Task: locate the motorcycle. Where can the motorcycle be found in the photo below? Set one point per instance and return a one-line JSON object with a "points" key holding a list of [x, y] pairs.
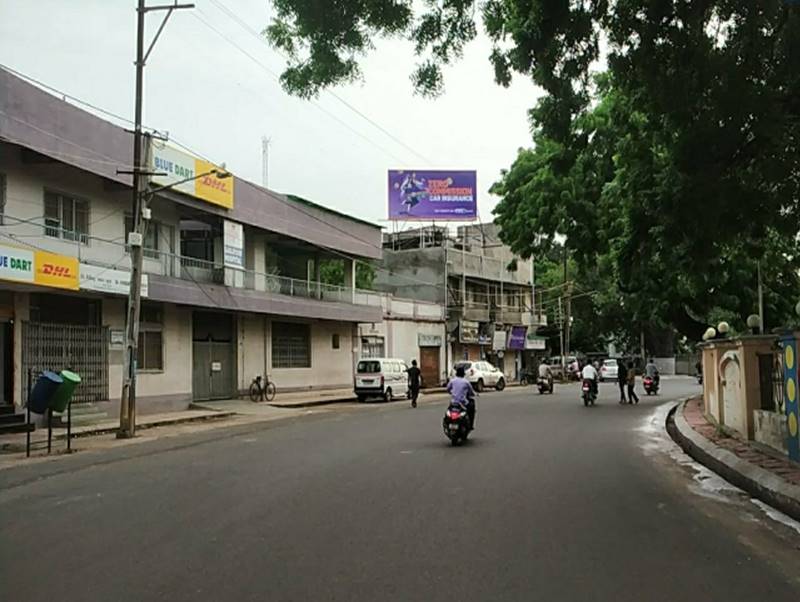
{"points": [[545, 385], [650, 385], [587, 389], [456, 423]]}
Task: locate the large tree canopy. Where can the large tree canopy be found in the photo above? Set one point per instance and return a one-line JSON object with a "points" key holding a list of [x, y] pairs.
{"points": [[677, 169]]}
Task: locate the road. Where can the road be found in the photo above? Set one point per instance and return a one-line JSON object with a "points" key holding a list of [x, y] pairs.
{"points": [[549, 501]]}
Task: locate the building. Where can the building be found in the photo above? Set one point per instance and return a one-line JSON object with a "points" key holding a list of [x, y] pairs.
{"points": [[486, 290], [410, 330], [231, 283]]}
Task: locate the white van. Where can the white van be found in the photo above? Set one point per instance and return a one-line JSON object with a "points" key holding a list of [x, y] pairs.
{"points": [[384, 377]]}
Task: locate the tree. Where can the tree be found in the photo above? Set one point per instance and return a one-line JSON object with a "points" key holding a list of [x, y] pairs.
{"points": [[331, 272], [679, 168]]}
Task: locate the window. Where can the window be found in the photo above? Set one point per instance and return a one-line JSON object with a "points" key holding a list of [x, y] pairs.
{"points": [[2, 196], [291, 345], [372, 347], [368, 367], [156, 237], [335, 341], [150, 353], [66, 217]]}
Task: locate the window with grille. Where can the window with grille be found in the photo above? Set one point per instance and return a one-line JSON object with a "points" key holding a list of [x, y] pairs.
{"points": [[150, 353], [291, 345], [156, 238], [66, 217]]}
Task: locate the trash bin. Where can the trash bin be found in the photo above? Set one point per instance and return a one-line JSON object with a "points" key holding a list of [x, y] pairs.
{"points": [[43, 391], [59, 401]]}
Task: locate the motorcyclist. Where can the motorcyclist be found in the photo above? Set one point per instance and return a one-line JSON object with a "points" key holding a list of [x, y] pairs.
{"points": [[462, 393], [546, 373], [589, 373], [651, 370]]}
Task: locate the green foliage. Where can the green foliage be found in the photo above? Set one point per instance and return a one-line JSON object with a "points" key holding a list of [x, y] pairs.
{"points": [[331, 272], [324, 40], [669, 176]]}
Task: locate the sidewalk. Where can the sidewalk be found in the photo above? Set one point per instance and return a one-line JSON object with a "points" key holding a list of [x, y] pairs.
{"points": [[767, 476]]}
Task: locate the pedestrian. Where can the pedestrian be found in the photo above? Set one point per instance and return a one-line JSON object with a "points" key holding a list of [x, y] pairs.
{"points": [[414, 382], [632, 397], [622, 379]]}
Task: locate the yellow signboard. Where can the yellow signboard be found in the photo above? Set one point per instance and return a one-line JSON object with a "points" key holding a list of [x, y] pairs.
{"points": [[190, 175], [211, 188], [56, 270]]}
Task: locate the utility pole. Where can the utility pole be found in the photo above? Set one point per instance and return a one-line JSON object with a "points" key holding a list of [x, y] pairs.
{"points": [[762, 326], [568, 304], [265, 142], [140, 174]]}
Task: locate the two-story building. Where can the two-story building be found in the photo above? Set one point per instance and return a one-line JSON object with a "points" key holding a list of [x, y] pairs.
{"points": [[231, 284], [486, 290]]}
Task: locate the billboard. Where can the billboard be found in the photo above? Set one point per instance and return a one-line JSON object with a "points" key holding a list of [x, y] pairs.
{"points": [[516, 337], [175, 166], [433, 195]]}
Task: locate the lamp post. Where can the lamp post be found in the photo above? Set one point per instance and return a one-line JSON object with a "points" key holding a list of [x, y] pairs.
{"points": [[127, 410]]}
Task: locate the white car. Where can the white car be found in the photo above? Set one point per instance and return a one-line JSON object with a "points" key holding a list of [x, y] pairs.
{"points": [[609, 370], [481, 375], [382, 377]]}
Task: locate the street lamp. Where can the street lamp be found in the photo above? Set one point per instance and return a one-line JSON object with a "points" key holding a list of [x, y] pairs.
{"points": [[127, 410], [723, 328], [753, 323]]}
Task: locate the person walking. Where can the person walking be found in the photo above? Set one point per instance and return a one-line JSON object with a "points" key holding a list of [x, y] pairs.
{"points": [[632, 397], [414, 382], [622, 379]]}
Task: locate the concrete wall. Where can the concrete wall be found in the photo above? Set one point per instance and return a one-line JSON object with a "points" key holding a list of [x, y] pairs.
{"points": [[413, 274], [731, 384], [770, 429], [156, 390], [330, 368]]}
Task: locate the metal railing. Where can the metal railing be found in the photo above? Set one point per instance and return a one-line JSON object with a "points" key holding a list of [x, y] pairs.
{"points": [[113, 254]]}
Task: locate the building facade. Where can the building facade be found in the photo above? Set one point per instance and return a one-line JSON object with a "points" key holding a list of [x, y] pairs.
{"points": [[231, 284], [486, 291], [410, 330]]}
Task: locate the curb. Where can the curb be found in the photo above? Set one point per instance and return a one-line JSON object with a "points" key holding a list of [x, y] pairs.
{"points": [[313, 403], [8, 448], [758, 482]]}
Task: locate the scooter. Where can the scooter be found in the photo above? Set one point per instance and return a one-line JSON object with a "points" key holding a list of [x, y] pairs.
{"points": [[456, 423], [545, 385], [650, 385], [587, 390]]}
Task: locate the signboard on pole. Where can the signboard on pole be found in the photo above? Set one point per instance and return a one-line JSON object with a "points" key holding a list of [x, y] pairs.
{"points": [[106, 280], [433, 195], [499, 340], [533, 342], [233, 241], [175, 166], [516, 337]]}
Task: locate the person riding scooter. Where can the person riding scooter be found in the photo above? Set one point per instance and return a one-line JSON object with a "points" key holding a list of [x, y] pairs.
{"points": [[589, 373], [546, 374], [651, 370], [462, 393]]}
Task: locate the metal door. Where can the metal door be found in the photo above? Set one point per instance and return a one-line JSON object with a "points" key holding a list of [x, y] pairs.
{"points": [[213, 356], [429, 365]]}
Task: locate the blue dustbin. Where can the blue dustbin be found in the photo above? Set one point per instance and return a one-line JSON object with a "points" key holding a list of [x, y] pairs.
{"points": [[43, 391]]}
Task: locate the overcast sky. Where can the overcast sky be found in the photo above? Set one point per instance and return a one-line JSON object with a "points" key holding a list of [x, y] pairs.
{"points": [[215, 99]]}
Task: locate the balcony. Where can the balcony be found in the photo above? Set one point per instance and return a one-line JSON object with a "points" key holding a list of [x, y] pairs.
{"points": [[486, 268]]}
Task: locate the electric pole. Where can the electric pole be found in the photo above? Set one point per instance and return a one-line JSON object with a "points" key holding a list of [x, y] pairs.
{"points": [[265, 142], [135, 238], [760, 300]]}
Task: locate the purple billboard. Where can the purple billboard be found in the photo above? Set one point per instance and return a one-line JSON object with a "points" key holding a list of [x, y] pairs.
{"points": [[516, 338], [433, 195]]}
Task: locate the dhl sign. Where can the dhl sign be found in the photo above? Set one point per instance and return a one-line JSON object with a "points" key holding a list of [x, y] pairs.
{"points": [[56, 270]]}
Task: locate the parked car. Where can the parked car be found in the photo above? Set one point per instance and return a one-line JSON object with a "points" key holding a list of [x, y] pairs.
{"points": [[556, 368], [609, 370], [481, 375], [381, 377]]}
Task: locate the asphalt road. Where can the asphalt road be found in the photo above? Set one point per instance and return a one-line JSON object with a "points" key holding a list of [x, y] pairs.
{"points": [[548, 501]]}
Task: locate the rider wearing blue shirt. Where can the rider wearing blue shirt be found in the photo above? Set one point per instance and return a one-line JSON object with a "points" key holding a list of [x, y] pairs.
{"points": [[462, 393]]}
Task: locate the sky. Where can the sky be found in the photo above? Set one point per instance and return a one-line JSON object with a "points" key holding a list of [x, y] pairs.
{"points": [[211, 82]]}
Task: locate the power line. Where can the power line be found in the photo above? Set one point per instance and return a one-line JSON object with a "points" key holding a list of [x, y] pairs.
{"points": [[277, 79], [331, 93]]}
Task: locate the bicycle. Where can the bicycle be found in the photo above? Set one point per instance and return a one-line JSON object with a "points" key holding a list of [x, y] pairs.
{"points": [[261, 393]]}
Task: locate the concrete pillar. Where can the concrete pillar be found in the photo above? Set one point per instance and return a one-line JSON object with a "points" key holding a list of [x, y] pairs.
{"points": [[317, 260], [350, 278]]}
